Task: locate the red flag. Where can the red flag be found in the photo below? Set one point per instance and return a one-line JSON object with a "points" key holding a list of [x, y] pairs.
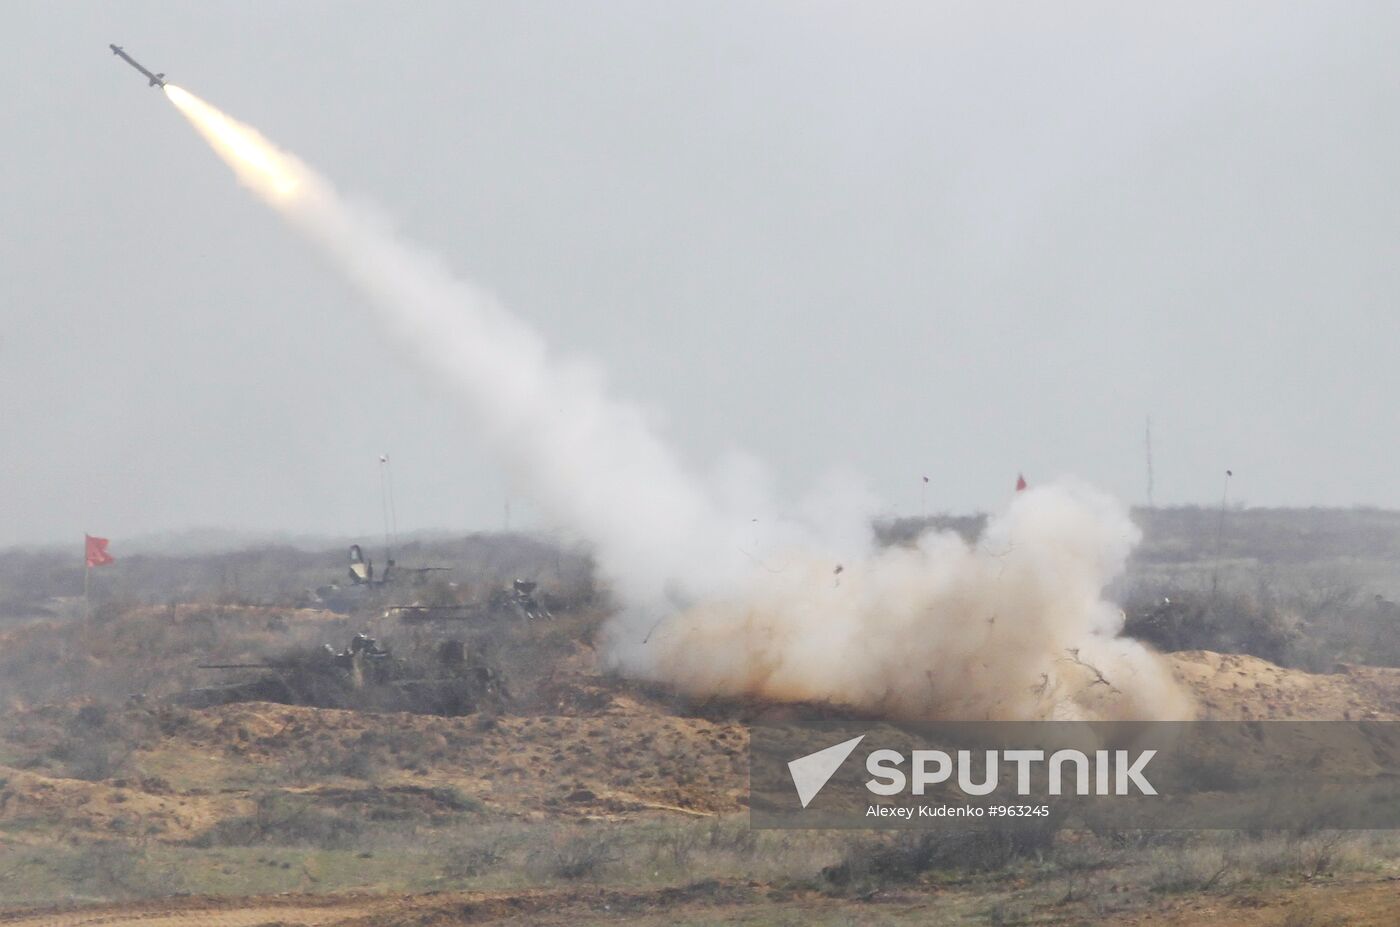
{"points": [[97, 552], [1020, 483]]}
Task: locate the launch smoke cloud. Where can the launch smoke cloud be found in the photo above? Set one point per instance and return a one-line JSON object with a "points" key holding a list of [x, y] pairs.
{"points": [[721, 593]]}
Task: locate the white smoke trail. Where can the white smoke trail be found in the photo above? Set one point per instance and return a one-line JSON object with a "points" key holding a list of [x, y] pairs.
{"points": [[590, 461], [1014, 627]]}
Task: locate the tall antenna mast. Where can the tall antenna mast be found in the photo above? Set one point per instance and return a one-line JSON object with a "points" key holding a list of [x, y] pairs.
{"points": [[393, 509], [1150, 503], [1220, 533], [386, 504]]}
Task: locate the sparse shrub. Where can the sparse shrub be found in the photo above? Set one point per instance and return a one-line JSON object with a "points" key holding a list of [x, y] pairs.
{"points": [[94, 743], [284, 820], [356, 764], [91, 760], [1228, 622], [1078, 862], [115, 869], [905, 856], [581, 856], [93, 715], [733, 837], [1322, 856], [675, 846], [352, 762], [1310, 856], [453, 798], [686, 845], [1188, 869], [467, 861]]}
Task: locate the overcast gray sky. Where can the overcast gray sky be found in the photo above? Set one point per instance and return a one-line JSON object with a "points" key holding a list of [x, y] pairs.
{"points": [[946, 239]]}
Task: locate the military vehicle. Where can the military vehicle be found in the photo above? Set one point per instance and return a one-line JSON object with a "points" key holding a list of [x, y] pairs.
{"points": [[365, 584], [366, 677], [520, 600]]}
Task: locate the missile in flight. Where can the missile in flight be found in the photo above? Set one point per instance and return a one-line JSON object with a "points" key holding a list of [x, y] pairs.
{"points": [[157, 80]]}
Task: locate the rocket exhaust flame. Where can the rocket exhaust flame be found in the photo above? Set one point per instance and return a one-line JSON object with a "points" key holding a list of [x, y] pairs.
{"points": [[258, 162], [1012, 627]]}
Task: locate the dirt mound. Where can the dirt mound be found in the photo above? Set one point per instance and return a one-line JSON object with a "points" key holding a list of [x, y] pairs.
{"points": [[1240, 687], [625, 758], [145, 808], [172, 773]]}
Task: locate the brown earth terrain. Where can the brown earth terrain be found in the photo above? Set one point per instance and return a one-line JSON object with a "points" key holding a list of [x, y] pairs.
{"points": [[530, 806], [1240, 687]]}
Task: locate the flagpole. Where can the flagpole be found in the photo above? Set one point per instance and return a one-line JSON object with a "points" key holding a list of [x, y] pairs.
{"points": [[384, 504], [1220, 533], [393, 509], [94, 554]]}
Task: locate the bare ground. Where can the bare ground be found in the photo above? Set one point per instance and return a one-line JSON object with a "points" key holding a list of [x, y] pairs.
{"points": [[196, 794]]}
